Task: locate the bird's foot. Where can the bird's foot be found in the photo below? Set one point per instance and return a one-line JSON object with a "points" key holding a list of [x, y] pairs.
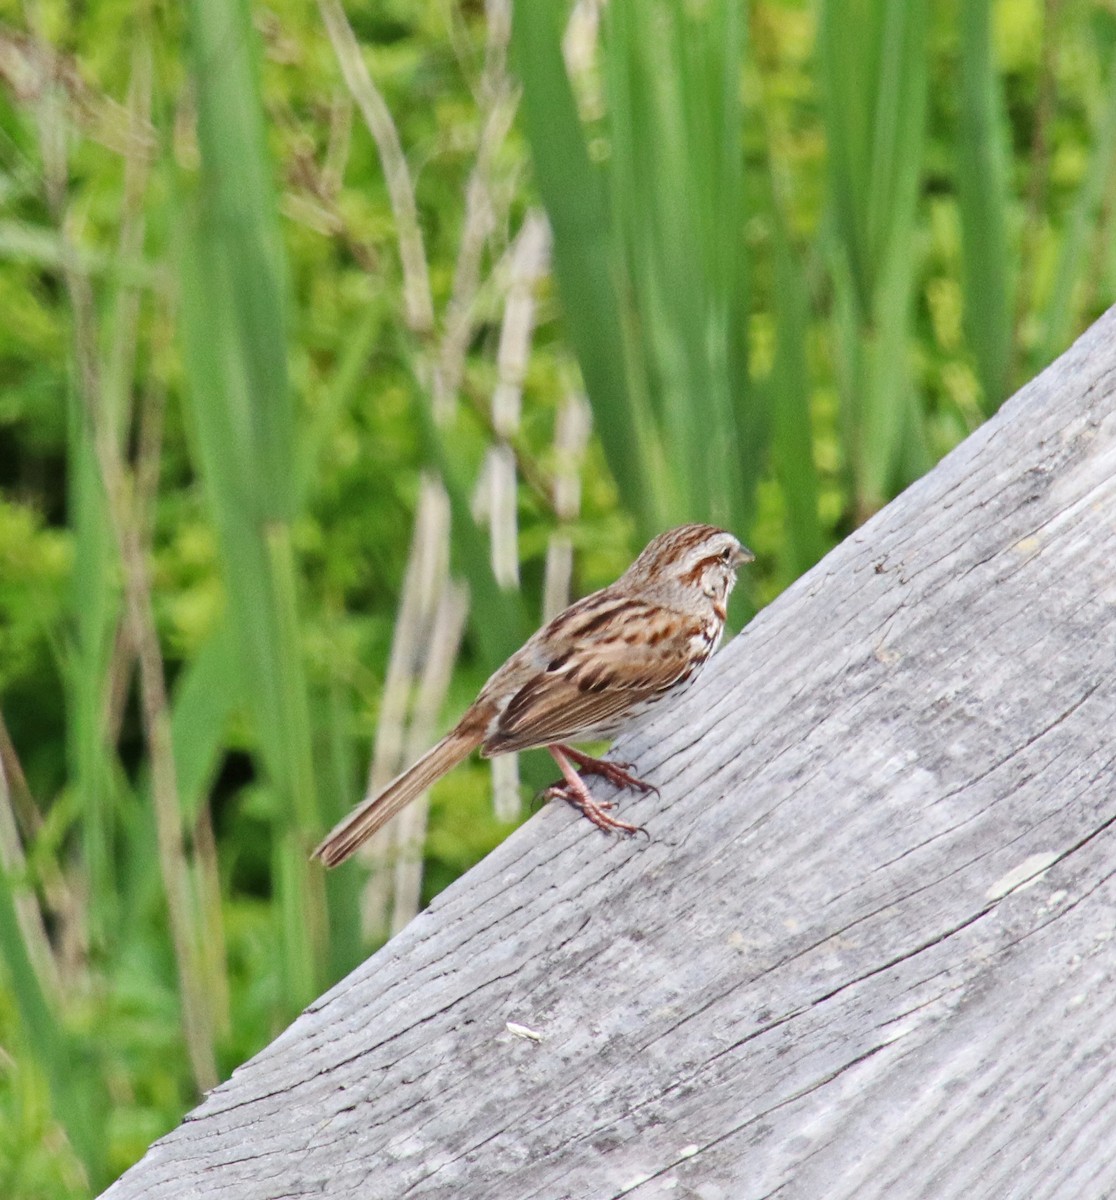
{"points": [[596, 810], [617, 773], [574, 791]]}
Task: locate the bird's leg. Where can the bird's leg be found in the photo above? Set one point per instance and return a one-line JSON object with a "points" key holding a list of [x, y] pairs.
{"points": [[576, 793], [617, 773]]}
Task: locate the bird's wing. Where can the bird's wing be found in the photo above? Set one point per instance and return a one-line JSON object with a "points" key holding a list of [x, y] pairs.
{"points": [[616, 656]]}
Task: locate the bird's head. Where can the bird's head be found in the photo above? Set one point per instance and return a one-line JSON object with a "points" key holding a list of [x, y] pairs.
{"points": [[691, 558]]}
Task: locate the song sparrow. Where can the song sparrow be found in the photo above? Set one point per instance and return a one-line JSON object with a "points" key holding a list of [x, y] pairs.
{"points": [[596, 669]]}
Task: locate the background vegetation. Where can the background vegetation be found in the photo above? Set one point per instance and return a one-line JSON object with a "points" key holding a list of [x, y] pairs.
{"points": [[338, 350]]}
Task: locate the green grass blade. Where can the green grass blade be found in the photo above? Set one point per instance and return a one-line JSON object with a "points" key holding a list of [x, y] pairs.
{"points": [[874, 68], [675, 179], [899, 127], [247, 263], [649, 251], [572, 191], [889, 400], [874, 65], [96, 607], [75, 1095], [984, 200], [848, 47], [792, 442], [233, 295], [342, 782], [1071, 275]]}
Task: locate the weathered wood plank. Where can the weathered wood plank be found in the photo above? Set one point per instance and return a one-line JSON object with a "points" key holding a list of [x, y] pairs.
{"points": [[868, 950]]}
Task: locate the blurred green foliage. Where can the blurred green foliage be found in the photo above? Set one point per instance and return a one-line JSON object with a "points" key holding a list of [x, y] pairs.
{"points": [[800, 250]]}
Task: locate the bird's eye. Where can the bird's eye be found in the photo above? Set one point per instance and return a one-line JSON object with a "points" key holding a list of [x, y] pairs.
{"points": [[726, 555]]}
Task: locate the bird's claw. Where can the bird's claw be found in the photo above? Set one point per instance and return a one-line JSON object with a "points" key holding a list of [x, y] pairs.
{"points": [[596, 811]]}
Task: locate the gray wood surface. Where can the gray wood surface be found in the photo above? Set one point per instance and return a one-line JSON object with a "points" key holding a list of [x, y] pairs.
{"points": [[868, 949]]}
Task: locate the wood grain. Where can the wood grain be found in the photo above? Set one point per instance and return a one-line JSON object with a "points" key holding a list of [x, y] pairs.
{"points": [[868, 949]]}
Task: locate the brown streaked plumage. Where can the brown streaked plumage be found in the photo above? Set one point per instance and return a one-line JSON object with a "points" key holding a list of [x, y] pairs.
{"points": [[597, 668]]}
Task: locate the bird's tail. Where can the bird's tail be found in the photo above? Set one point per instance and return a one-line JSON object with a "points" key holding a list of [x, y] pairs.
{"points": [[378, 809]]}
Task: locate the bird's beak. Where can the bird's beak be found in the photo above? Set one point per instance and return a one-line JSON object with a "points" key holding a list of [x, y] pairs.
{"points": [[743, 555]]}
